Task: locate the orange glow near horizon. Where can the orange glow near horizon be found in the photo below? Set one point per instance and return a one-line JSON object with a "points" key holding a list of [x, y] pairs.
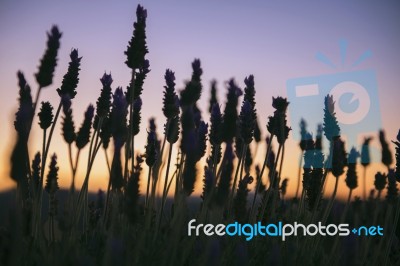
{"points": [[99, 174], [273, 41]]}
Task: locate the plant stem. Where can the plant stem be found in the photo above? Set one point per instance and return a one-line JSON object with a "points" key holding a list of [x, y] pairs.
{"points": [[392, 234], [272, 183], [164, 195], [83, 191], [330, 204], [365, 182], [259, 178], [108, 188], [299, 175], [38, 204], [146, 202], [177, 179], [238, 167]]}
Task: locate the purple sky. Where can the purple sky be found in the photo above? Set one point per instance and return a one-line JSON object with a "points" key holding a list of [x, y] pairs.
{"points": [[275, 41]]}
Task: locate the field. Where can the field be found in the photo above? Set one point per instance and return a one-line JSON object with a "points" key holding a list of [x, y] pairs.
{"points": [[143, 217]]}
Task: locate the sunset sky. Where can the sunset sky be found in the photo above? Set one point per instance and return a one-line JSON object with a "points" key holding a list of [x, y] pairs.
{"points": [[275, 41]]}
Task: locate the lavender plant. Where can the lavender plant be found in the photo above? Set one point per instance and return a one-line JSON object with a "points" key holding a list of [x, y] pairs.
{"points": [[143, 221]]}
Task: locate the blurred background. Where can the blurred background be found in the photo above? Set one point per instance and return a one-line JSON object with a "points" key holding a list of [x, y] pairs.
{"points": [[274, 41]]}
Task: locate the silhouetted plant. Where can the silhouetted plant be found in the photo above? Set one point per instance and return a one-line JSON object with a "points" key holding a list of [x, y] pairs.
{"points": [[331, 127], [387, 158], [380, 182], [192, 92], [215, 136], [397, 143], [240, 202], [137, 47], [71, 78], [365, 161], [48, 63], [51, 188], [83, 135], [170, 101], [226, 176], [125, 227], [351, 175], [392, 189], [68, 125], [213, 97], [230, 112]]}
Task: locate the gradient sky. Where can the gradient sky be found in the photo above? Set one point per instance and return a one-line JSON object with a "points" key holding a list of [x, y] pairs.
{"points": [[275, 41]]}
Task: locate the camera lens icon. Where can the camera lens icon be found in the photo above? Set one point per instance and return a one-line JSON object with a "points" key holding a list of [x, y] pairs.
{"points": [[356, 103], [358, 97]]}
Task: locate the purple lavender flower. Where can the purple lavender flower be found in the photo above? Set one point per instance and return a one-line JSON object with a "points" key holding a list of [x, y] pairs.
{"points": [[229, 126], [172, 130], [68, 126], [151, 151], [339, 160], [249, 94], [45, 115], [71, 78], [392, 190], [35, 176], [52, 177], [351, 176], [277, 124], [365, 156], [137, 87], [387, 158], [44, 77], [280, 104], [170, 108], [118, 123], [103, 103], [303, 134], [192, 92], [397, 143], [24, 115], [202, 131], [83, 135], [137, 108], [246, 122], [137, 47], [331, 126], [213, 98], [380, 181], [208, 182]]}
